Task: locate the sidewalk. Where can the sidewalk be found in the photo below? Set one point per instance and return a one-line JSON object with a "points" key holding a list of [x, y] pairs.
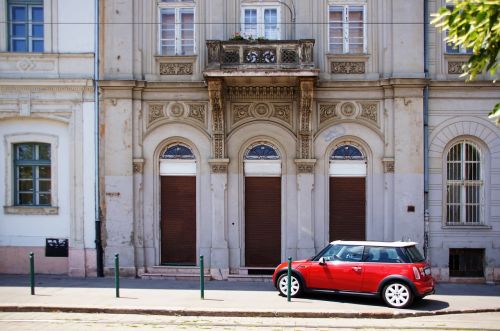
{"points": [[222, 298]]}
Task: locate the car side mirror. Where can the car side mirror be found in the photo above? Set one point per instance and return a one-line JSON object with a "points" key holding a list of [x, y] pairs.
{"points": [[321, 260]]}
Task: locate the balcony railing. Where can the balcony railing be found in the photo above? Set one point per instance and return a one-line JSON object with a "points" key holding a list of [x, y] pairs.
{"points": [[261, 54]]}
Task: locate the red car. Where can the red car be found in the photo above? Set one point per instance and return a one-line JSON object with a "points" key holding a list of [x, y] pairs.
{"points": [[396, 271]]}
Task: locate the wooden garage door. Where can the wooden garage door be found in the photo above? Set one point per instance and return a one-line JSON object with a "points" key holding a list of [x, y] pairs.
{"points": [[178, 220], [347, 208], [262, 221]]}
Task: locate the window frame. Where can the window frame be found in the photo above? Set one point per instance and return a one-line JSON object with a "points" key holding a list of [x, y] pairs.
{"points": [[35, 163], [261, 26], [464, 183], [177, 6], [9, 142], [345, 26], [28, 23]]}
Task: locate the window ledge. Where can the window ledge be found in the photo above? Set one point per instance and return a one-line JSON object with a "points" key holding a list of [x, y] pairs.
{"points": [[348, 56], [467, 227], [25, 210], [457, 57], [176, 58]]}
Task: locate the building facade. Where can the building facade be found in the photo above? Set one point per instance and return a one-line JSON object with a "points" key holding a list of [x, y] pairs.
{"points": [[250, 151], [248, 131], [47, 149]]}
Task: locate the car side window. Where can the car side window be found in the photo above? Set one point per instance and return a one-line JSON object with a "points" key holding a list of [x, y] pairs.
{"points": [[330, 253], [383, 255], [350, 253]]}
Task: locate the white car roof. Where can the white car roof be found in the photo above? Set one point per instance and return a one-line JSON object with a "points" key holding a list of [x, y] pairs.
{"points": [[376, 243]]}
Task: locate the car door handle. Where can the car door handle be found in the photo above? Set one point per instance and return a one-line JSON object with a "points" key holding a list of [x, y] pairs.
{"points": [[357, 269]]}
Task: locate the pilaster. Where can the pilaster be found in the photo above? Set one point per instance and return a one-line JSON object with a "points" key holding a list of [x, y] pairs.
{"points": [[219, 256], [305, 212]]}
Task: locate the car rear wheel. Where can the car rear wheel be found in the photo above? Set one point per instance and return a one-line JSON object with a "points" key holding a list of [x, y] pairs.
{"points": [[397, 295], [296, 285]]}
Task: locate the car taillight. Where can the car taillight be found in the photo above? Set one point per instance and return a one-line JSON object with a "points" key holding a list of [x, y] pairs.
{"points": [[416, 273]]}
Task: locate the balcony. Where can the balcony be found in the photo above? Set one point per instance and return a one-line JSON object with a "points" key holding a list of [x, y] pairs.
{"points": [[260, 58]]}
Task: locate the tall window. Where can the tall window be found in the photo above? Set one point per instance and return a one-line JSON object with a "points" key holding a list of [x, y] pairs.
{"points": [[25, 25], [177, 27], [347, 29], [451, 48], [32, 174], [261, 22], [464, 184]]}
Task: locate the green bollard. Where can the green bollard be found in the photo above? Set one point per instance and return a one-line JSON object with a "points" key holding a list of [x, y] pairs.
{"points": [[202, 279], [117, 275], [289, 280], [32, 273]]}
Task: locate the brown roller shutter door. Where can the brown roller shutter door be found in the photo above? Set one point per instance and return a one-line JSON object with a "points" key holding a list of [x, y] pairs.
{"points": [[178, 220], [347, 208], [262, 221]]}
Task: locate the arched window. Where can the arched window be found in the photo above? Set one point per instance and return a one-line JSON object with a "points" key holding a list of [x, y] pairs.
{"points": [[262, 152], [464, 184], [347, 152], [177, 151]]}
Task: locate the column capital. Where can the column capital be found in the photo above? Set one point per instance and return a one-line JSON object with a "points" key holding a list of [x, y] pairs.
{"points": [[218, 166], [305, 165]]}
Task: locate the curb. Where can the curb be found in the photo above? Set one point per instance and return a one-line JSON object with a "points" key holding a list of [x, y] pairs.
{"points": [[236, 313]]}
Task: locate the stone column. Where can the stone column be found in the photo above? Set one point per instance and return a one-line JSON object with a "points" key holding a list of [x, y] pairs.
{"points": [[219, 257], [305, 172]]}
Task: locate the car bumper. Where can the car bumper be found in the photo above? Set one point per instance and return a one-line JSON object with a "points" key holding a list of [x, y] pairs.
{"points": [[425, 288]]}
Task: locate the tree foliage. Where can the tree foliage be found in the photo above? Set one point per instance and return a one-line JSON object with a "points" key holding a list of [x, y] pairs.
{"points": [[474, 24]]}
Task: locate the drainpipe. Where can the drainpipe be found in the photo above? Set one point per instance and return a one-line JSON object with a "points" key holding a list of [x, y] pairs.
{"points": [[97, 215], [426, 129]]}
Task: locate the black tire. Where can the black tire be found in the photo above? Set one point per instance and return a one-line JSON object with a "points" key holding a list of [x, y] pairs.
{"points": [[397, 295], [282, 283]]}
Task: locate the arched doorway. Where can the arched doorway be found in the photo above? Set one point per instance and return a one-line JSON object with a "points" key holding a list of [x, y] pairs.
{"points": [[178, 205], [262, 167], [347, 193]]}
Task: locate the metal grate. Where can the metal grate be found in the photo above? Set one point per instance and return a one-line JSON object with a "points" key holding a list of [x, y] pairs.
{"points": [[261, 56], [464, 187], [231, 56], [289, 56], [466, 262]]}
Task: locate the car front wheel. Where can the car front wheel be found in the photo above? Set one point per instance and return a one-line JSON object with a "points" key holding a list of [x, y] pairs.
{"points": [[397, 295], [295, 289]]}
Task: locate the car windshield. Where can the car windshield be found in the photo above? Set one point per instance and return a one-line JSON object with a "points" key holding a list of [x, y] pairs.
{"points": [[414, 254]]}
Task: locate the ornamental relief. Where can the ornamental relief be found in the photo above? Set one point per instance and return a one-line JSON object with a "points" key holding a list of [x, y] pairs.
{"points": [[197, 112], [335, 111], [176, 69], [455, 68], [261, 110]]}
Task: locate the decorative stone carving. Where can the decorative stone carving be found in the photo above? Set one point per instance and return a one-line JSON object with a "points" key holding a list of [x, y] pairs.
{"points": [[388, 165], [455, 68], [283, 112], [260, 92], [305, 165], [369, 111], [26, 64], [138, 165], [213, 50], [176, 68], [347, 67], [306, 50], [261, 110], [197, 112], [218, 166], [176, 110], [240, 112], [327, 111], [155, 112], [218, 134], [305, 102], [348, 109]]}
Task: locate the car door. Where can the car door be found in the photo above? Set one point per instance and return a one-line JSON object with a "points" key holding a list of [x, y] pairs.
{"points": [[380, 262], [341, 271]]}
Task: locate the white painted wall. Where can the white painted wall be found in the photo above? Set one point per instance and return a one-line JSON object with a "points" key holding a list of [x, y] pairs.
{"points": [[31, 230], [77, 37], [89, 175]]}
